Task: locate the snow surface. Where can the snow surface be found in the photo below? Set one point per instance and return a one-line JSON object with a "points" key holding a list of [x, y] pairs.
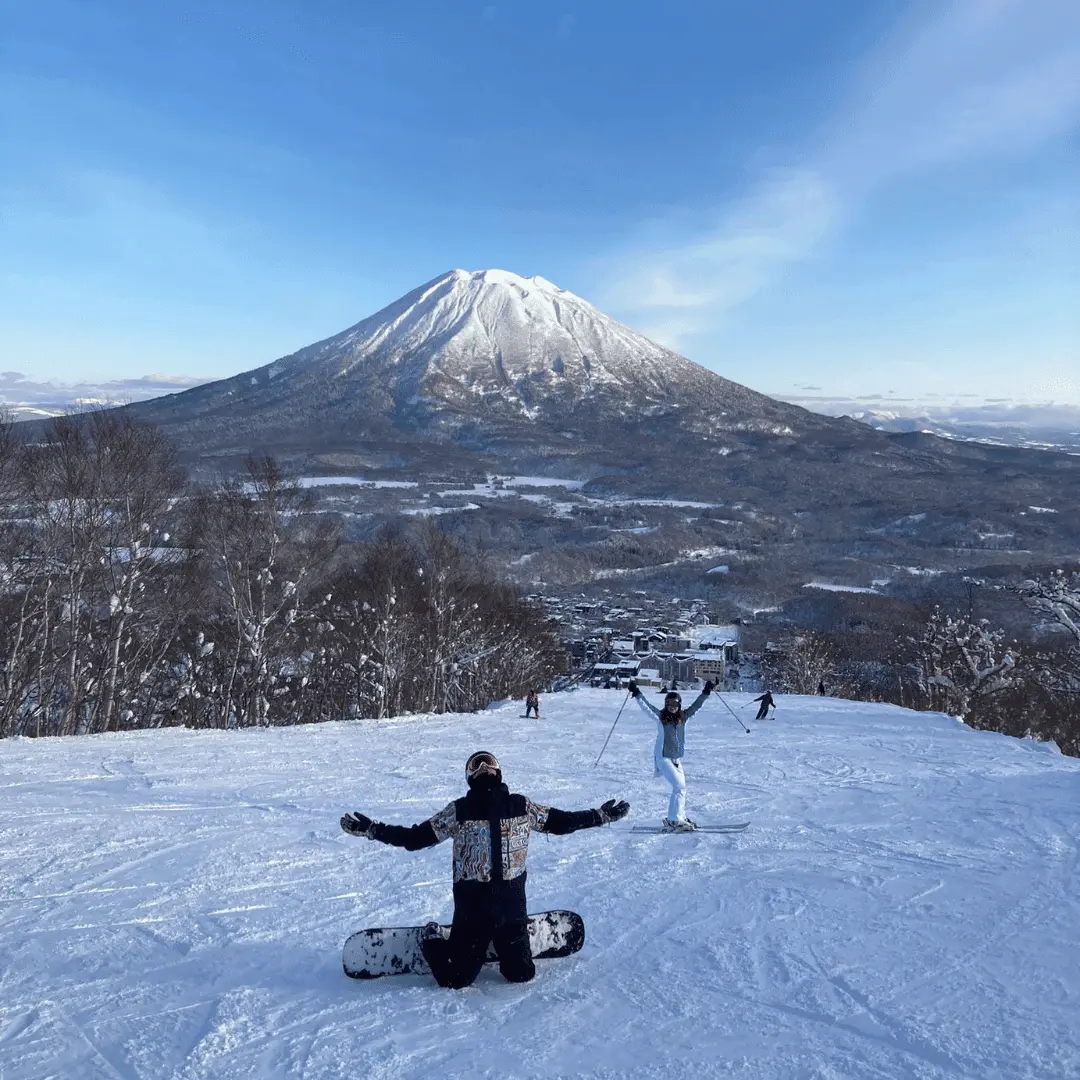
{"points": [[540, 481], [829, 587], [904, 905], [431, 511], [352, 481]]}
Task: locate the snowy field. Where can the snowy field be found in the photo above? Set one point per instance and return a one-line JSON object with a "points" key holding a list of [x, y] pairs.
{"points": [[905, 904]]}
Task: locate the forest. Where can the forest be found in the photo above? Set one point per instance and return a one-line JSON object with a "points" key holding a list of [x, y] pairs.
{"points": [[132, 598]]}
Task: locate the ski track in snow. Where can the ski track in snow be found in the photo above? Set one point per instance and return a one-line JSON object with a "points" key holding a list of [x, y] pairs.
{"points": [[904, 905]]}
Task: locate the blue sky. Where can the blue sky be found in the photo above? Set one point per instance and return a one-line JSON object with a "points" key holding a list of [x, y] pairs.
{"points": [[835, 198]]}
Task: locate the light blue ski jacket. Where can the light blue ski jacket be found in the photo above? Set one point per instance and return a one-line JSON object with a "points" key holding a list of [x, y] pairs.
{"points": [[670, 738]]}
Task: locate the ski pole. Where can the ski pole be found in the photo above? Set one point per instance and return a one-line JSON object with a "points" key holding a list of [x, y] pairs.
{"points": [[612, 731], [733, 713]]}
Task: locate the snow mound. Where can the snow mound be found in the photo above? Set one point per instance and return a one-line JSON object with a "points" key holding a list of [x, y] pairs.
{"points": [[904, 904]]}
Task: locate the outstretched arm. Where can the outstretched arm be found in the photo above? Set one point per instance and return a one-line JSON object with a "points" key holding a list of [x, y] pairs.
{"points": [[647, 707], [551, 819], [411, 837], [698, 701]]}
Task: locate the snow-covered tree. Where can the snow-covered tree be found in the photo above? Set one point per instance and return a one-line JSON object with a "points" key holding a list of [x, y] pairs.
{"points": [[800, 663], [261, 553], [252, 616], [1057, 599], [139, 613], [961, 661]]}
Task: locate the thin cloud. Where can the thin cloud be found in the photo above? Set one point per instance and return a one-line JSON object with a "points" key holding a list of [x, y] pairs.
{"points": [[779, 224], [973, 79]]}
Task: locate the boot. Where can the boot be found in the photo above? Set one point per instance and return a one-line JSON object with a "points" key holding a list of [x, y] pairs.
{"points": [[678, 826]]}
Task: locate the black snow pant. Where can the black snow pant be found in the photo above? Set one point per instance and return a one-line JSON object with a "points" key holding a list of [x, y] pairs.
{"points": [[762, 712], [532, 709], [484, 913]]}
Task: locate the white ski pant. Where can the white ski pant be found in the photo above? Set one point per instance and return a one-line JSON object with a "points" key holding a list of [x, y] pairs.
{"points": [[672, 772]]}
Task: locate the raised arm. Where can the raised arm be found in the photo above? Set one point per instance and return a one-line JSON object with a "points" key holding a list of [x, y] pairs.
{"points": [[550, 819], [410, 837], [647, 707], [698, 701]]}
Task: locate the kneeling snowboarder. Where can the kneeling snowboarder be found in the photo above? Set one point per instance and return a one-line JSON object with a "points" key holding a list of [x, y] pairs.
{"points": [[491, 829]]}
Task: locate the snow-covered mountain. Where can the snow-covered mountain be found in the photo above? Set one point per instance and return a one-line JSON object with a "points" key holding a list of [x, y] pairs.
{"points": [[1043, 427], [469, 337], [27, 399], [903, 906], [1046, 426], [486, 360], [481, 373]]}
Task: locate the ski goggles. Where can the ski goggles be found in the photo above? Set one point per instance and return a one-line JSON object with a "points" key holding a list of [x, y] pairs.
{"points": [[481, 762]]}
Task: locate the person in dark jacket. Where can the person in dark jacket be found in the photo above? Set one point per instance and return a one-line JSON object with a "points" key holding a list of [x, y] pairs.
{"points": [[767, 703], [491, 829], [821, 687]]}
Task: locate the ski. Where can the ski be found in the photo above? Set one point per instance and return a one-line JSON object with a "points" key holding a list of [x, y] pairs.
{"points": [[733, 827]]}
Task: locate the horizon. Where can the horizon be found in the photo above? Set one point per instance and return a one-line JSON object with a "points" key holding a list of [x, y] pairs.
{"points": [[836, 206], [31, 399]]}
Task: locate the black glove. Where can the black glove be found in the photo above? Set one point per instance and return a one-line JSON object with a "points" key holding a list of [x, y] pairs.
{"points": [[710, 686], [632, 687], [614, 811], [357, 824]]}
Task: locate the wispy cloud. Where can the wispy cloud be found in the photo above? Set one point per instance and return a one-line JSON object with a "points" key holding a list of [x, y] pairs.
{"points": [[973, 78], [777, 224]]}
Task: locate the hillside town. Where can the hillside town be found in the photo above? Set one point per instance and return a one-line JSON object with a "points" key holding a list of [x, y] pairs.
{"points": [[672, 644]]}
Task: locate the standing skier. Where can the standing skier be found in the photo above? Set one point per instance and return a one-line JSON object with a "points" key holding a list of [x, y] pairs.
{"points": [[532, 704], [491, 829], [767, 703], [668, 752]]}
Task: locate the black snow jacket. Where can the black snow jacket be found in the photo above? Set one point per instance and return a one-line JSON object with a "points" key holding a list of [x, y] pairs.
{"points": [[489, 874]]}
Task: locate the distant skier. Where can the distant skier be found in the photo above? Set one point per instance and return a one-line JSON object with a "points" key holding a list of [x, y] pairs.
{"points": [[767, 703], [532, 704], [668, 752], [489, 874], [821, 687]]}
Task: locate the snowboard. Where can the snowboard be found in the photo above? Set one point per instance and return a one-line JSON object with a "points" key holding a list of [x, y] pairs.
{"points": [[395, 950], [733, 827]]}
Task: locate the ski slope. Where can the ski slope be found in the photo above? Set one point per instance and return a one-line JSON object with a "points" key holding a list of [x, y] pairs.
{"points": [[905, 904]]}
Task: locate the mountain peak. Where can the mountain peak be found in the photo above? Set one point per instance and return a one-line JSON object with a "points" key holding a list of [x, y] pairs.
{"points": [[468, 356], [489, 334], [503, 277]]}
